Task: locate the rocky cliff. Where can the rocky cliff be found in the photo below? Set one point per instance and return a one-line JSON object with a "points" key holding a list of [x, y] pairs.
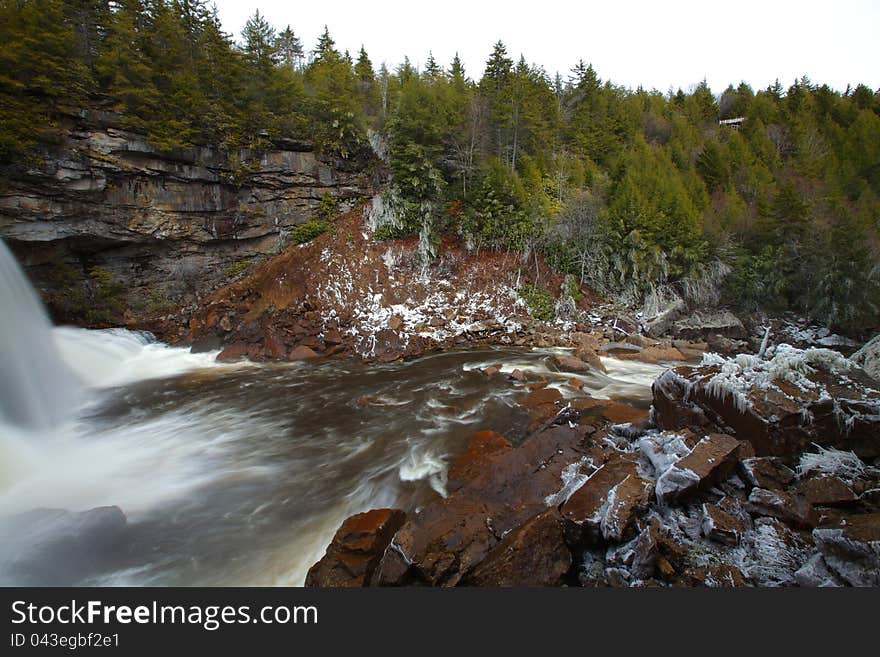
{"points": [[107, 221]]}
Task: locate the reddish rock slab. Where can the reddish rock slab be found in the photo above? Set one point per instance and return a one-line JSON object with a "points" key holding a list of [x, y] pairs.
{"points": [[723, 575], [356, 549], [766, 472], [302, 353], [826, 490], [792, 510], [607, 503], [451, 536], [713, 458], [533, 554], [720, 526], [237, 351], [590, 356], [567, 363], [484, 446]]}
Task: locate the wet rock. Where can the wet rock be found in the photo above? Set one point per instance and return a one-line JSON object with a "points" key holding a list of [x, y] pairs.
{"points": [[607, 503], [653, 553], [581, 340], [589, 356], [237, 351], [541, 403], [484, 446], [721, 526], [206, 344], [450, 537], [54, 547], [517, 375], [826, 491], [662, 323], [395, 322], [654, 355], [852, 550], [389, 346], [712, 459], [792, 510], [766, 472], [641, 341], [356, 549], [533, 554], [566, 363], [302, 353], [619, 348]]}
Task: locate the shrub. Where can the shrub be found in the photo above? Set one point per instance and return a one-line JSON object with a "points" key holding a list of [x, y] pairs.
{"points": [[308, 231], [538, 301]]}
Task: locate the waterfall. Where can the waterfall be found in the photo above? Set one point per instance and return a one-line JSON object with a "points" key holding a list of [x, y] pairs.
{"points": [[37, 390]]}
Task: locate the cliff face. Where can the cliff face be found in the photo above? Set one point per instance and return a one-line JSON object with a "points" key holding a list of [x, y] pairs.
{"points": [[109, 221]]}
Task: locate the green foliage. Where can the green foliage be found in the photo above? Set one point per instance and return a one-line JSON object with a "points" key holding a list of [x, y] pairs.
{"points": [[627, 190], [309, 231], [236, 268], [538, 301]]}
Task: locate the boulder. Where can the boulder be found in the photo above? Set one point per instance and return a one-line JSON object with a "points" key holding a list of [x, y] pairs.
{"points": [[826, 490], [852, 549], [713, 458], [356, 549], [654, 354], [607, 503], [781, 405], [720, 526], [302, 353], [237, 351], [790, 509], [450, 537], [566, 363], [55, 547], [332, 338], [590, 356], [533, 554], [484, 446]]}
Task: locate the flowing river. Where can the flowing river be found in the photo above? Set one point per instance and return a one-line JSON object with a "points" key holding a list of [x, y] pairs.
{"points": [[230, 474]]}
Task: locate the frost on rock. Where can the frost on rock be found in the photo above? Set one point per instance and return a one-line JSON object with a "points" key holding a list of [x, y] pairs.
{"points": [[771, 554], [744, 373], [675, 482], [662, 450], [573, 477], [839, 463]]}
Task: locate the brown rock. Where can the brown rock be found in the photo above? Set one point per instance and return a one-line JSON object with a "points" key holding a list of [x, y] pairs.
{"points": [[483, 447], [389, 346], [720, 526], [517, 375], [491, 371], [766, 472], [534, 554], [332, 338], [451, 536], [715, 575], [356, 549], [640, 340], [607, 503], [237, 351], [712, 459], [302, 353], [395, 322], [587, 340], [794, 511], [566, 363], [826, 491], [590, 356], [654, 355]]}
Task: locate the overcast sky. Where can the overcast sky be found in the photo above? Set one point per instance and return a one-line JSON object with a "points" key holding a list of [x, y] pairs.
{"points": [[658, 45]]}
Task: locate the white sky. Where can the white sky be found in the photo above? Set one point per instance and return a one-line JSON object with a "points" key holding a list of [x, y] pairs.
{"points": [[659, 45]]}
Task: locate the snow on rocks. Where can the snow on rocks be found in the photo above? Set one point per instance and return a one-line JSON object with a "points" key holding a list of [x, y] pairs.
{"points": [[781, 403]]}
